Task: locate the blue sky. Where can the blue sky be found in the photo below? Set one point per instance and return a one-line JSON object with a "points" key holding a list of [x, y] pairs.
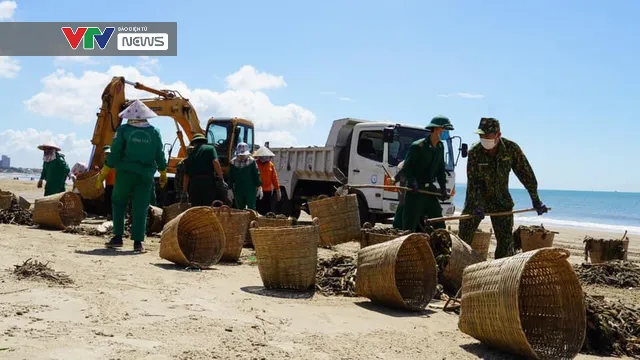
{"points": [[561, 76]]}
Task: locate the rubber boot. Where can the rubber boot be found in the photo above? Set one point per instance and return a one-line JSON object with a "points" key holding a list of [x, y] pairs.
{"points": [[138, 247], [116, 242]]}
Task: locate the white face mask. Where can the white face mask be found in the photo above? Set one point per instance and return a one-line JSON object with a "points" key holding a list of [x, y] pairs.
{"points": [[488, 143]]}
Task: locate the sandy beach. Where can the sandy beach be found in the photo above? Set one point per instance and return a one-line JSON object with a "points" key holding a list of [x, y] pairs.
{"points": [[125, 306]]}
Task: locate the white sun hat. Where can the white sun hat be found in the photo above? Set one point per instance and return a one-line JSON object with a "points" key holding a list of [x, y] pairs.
{"points": [[242, 149], [263, 151], [49, 145], [137, 111]]}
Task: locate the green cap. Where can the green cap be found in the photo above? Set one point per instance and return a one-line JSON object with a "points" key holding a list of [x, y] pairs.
{"points": [[488, 126], [440, 122], [198, 137]]}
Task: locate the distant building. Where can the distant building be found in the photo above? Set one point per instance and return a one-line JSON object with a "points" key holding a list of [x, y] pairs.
{"points": [[5, 162]]}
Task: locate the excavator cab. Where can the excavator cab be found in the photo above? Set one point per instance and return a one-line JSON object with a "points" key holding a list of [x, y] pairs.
{"points": [[225, 134]]}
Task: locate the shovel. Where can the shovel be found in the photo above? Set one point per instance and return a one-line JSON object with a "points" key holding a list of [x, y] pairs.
{"points": [[464, 217]]}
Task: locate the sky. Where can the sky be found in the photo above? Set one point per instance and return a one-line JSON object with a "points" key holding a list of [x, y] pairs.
{"points": [[562, 77]]}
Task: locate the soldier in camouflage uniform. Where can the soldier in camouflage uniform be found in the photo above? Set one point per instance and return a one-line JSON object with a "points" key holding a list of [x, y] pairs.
{"points": [[488, 168]]}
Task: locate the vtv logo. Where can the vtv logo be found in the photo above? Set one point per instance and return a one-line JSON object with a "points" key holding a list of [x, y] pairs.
{"points": [[88, 35], [143, 41]]}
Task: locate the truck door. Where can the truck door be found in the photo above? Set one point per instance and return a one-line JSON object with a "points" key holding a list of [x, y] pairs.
{"points": [[365, 164]]}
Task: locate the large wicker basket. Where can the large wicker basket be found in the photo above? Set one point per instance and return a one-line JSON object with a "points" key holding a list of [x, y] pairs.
{"points": [[268, 220], [287, 256], [530, 304], [370, 236], [400, 273], [24, 203], [480, 243], [58, 211], [339, 219], [193, 238], [172, 211], [5, 200], [534, 239], [601, 250], [461, 255], [236, 225], [154, 220], [86, 184]]}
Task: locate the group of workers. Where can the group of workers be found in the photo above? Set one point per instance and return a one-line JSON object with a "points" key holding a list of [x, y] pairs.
{"points": [[488, 167]]}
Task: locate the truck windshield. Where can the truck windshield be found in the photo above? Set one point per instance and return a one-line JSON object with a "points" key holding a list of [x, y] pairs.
{"points": [[398, 149]]}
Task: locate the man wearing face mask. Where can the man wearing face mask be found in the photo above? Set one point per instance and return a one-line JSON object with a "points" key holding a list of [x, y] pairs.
{"points": [[488, 168], [245, 184], [423, 165], [55, 170]]}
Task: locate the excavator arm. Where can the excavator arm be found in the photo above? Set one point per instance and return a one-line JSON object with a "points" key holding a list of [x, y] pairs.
{"points": [[167, 103]]}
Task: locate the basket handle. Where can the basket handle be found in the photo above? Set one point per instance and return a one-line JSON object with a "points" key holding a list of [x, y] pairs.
{"points": [[254, 225], [270, 215], [367, 225], [227, 208], [322, 197], [315, 221], [217, 202]]}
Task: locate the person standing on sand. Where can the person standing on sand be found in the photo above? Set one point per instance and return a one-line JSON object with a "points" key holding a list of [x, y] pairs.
{"points": [[245, 184], [203, 181], [423, 165], [269, 178], [136, 154], [55, 170], [488, 167]]}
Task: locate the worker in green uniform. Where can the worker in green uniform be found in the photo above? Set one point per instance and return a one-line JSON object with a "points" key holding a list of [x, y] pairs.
{"points": [[179, 178], [423, 165], [136, 154], [203, 181], [245, 184], [488, 167], [399, 178], [55, 170]]}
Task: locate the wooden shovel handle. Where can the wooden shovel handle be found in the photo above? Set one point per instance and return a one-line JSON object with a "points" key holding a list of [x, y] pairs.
{"points": [[464, 217], [393, 187]]}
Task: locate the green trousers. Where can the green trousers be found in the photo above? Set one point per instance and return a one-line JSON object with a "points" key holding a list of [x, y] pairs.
{"points": [[153, 200], [502, 228], [245, 199], [202, 190], [136, 187], [397, 218], [416, 207]]}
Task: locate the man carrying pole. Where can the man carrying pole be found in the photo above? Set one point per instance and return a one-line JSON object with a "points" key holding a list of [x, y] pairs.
{"points": [[488, 168]]}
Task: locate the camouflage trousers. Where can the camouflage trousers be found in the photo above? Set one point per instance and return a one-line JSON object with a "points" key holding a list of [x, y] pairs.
{"points": [[502, 228]]}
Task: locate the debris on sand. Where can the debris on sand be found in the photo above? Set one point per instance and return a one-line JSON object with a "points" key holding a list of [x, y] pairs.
{"points": [[84, 230], [613, 328], [620, 274], [16, 215], [388, 231], [30, 269], [337, 276], [440, 242]]}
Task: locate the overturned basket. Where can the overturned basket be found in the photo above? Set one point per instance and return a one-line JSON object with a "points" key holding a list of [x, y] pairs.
{"points": [[193, 238], [268, 220], [235, 224], [480, 243], [172, 211], [452, 264], [6, 197], [339, 219], [86, 185], [533, 237], [400, 273], [530, 304], [154, 220], [58, 211], [287, 256]]}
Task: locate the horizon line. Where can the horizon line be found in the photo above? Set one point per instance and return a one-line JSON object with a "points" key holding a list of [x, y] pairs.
{"points": [[576, 190]]}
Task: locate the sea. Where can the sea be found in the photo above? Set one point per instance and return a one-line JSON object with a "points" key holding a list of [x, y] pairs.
{"points": [[615, 212]]}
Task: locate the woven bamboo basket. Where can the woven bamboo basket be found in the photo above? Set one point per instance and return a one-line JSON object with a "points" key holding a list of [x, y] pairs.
{"points": [[400, 273], [193, 238], [287, 256], [530, 304], [370, 237], [269, 220], [5, 199], [235, 224], [532, 240], [172, 211], [339, 219], [58, 211], [480, 243], [461, 256], [86, 184], [24, 203], [600, 251], [154, 220]]}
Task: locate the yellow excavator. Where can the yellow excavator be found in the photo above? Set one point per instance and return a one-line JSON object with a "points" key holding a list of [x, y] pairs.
{"points": [[223, 133]]}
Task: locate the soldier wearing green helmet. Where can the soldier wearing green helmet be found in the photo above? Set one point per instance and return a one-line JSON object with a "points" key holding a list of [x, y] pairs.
{"points": [[424, 165]]}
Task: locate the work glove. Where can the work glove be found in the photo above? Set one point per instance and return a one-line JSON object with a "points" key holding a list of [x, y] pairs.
{"points": [[443, 195], [540, 207], [260, 194], [278, 195], [184, 198], [103, 175], [413, 185], [478, 213], [230, 194], [163, 179], [40, 184], [223, 185]]}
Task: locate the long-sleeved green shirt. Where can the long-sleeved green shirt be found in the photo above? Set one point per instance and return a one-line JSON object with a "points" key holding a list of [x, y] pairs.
{"points": [[488, 177], [55, 173], [424, 163], [138, 150], [246, 178]]}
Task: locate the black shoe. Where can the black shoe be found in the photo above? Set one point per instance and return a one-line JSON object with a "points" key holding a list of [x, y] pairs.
{"points": [[116, 242], [138, 247]]}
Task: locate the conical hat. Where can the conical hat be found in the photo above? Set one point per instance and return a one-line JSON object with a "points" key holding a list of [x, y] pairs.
{"points": [[49, 145], [263, 151], [137, 110]]}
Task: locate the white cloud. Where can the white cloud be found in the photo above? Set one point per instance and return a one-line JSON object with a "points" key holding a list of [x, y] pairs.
{"points": [[248, 78], [463, 95], [9, 67], [345, 99], [7, 10], [148, 65], [276, 138], [62, 60], [21, 146]]}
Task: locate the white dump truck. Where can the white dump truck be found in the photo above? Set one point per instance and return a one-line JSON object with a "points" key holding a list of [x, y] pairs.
{"points": [[356, 153]]}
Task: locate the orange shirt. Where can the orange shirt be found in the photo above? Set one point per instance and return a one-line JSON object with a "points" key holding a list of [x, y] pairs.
{"points": [[268, 176], [111, 178]]}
